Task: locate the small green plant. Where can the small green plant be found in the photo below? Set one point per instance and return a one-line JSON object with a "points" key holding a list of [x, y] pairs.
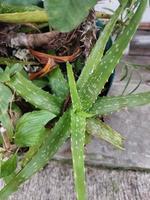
{"points": [[39, 132]]}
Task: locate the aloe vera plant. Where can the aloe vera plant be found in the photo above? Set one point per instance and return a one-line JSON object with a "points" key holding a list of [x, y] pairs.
{"points": [[78, 117]]}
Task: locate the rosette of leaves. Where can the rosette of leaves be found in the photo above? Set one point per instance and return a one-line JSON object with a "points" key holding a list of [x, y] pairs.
{"points": [[81, 117]]}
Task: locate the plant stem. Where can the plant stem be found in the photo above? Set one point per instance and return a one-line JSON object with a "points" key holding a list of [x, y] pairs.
{"points": [[36, 16], [5, 138]]}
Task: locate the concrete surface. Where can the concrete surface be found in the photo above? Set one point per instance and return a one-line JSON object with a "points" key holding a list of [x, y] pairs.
{"points": [[55, 182]]}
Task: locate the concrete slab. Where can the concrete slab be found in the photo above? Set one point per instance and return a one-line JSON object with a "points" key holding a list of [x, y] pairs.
{"points": [[55, 182]]}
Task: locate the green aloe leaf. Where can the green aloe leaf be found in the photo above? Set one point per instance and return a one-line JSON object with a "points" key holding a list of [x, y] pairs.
{"points": [[75, 13], [89, 91], [58, 84], [8, 167], [107, 105], [30, 128], [50, 146], [5, 99], [73, 90], [98, 50], [78, 124], [33, 94], [100, 130], [31, 152]]}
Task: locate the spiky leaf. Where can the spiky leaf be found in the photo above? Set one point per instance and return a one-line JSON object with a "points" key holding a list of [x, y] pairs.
{"points": [[73, 90], [33, 94], [107, 105], [78, 124], [100, 130]]}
